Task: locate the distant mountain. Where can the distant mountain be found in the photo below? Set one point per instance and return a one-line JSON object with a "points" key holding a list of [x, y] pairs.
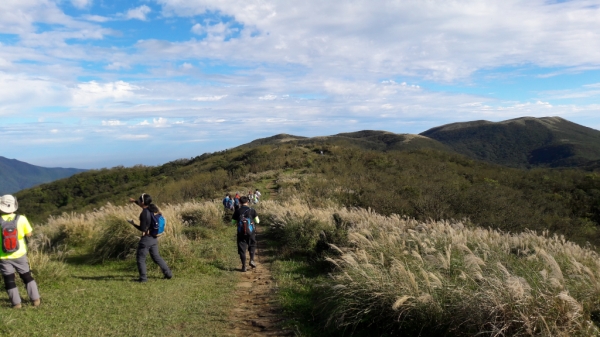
{"points": [[17, 175], [522, 142]]}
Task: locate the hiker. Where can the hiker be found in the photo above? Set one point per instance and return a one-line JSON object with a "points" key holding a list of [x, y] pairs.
{"points": [[13, 257], [257, 196], [236, 202], [148, 242], [228, 203], [246, 220]]}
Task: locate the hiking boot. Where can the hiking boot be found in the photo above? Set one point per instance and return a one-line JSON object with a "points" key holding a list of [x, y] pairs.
{"points": [[252, 264], [168, 277], [140, 280], [243, 269], [36, 303], [17, 306]]}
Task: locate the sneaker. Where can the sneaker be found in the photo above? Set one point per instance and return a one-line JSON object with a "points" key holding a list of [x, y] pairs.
{"points": [[168, 277], [252, 264], [17, 306], [243, 269], [139, 280], [36, 303]]}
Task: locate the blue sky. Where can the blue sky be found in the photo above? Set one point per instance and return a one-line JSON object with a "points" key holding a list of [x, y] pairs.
{"points": [[101, 83]]}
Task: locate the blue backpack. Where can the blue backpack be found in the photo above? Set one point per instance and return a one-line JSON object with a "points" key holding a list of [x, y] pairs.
{"points": [[229, 204], [158, 225], [245, 224], [236, 202]]}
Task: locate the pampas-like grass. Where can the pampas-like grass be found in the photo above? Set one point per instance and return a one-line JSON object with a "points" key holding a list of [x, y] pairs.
{"points": [[444, 276]]}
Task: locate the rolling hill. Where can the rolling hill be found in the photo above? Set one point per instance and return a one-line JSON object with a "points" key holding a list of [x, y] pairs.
{"points": [[522, 142], [17, 175]]}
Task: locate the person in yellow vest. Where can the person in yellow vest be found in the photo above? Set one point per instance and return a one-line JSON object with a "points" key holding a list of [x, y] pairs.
{"points": [[13, 255]]}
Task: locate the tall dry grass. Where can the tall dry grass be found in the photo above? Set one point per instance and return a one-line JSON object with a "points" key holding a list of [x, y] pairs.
{"points": [[400, 275], [104, 234]]}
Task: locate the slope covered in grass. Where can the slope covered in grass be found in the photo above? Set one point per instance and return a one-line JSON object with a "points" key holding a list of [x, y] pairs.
{"points": [[369, 274], [522, 142], [85, 267]]}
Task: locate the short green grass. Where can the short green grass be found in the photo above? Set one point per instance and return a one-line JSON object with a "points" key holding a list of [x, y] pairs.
{"points": [[103, 300]]}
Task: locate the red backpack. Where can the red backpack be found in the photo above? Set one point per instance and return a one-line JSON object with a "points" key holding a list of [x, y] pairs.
{"points": [[10, 235]]}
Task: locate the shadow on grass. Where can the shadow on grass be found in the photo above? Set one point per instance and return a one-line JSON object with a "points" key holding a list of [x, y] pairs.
{"points": [[108, 278]]}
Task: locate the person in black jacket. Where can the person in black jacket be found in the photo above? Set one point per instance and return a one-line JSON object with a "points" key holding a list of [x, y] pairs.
{"points": [[148, 243], [246, 240]]}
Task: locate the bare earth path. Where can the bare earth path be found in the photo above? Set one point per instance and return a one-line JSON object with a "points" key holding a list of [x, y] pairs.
{"points": [[255, 312]]}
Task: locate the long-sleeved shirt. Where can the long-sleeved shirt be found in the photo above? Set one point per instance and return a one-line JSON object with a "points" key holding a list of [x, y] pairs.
{"points": [[145, 221]]}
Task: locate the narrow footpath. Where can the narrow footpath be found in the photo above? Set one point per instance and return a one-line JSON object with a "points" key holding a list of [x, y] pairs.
{"points": [[256, 312]]}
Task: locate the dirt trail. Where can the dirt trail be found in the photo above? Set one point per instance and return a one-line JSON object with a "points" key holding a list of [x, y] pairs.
{"points": [[273, 191], [256, 312]]}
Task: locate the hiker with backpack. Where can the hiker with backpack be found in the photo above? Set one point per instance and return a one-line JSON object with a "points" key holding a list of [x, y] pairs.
{"points": [[13, 257], [246, 219], [150, 228], [236, 202], [228, 203]]}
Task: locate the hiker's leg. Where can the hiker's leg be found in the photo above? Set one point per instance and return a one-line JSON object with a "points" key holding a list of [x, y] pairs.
{"points": [[8, 274], [11, 289], [32, 288], [242, 247], [22, 266], [252, 247], [141, 253], [155, 255]]}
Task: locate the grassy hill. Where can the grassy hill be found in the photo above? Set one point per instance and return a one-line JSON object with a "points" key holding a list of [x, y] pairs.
{"points": [[422, 184], [17, 175], [522, 142], [370, 240]]}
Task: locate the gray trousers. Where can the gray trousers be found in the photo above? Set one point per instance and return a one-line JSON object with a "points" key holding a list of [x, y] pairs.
{"points": [[8, 267], [150, 244]]}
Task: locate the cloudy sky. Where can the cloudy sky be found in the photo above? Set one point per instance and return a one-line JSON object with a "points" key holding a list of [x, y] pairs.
{"points": [[100, 83]]}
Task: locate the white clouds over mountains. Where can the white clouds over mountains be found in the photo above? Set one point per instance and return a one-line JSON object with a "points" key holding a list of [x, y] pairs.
{"points": [[310, 67]]}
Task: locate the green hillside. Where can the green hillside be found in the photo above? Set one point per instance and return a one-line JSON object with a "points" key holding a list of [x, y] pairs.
{"points": [[366, 235], [522, 142], [16, 175], [422, 184]]}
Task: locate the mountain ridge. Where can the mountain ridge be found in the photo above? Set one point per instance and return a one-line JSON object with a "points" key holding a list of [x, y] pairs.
{"points": [[16, 175]]}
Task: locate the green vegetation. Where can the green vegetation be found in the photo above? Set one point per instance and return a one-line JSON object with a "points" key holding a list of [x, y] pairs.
{"points": [[522, 142], [86, 296], [370, 240], [422, 184], [398, 276]]}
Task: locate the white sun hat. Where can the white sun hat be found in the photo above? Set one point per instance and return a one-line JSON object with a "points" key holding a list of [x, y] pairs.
{"points": [[8, 204]]}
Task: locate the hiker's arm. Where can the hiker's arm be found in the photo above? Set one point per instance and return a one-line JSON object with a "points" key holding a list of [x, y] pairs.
{"points": [[256, 220], [145, 221], [135, 201]]}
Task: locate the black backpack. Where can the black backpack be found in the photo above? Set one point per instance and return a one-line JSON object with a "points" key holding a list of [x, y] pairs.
{"points": [[10, 235]]}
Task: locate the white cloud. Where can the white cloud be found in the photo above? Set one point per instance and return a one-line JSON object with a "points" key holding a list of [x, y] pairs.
{"points": [[209, 98], [81, 3], [438, 39], [96, 18], [133, 137], [89, 93], [138, 13], [112, 122], [118, 66], [268, 97]]}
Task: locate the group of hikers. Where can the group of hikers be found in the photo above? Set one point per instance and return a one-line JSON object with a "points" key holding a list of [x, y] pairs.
{"points": [[233, 203], [16, 228]]}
